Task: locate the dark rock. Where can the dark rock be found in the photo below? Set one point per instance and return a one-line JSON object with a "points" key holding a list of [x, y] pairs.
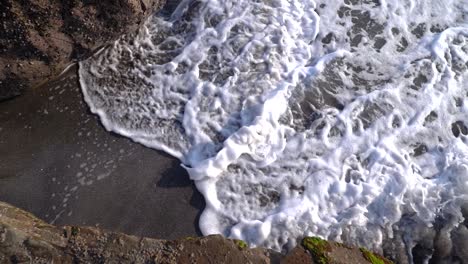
{"points": [[39, 38]]}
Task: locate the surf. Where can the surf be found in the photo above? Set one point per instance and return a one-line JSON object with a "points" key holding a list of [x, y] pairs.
{"points": [[302, 118]]}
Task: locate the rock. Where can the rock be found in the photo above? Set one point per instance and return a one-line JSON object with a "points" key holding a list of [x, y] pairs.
{"points": [[329, 252], [299, 255], [25, 238], [39, 38]]}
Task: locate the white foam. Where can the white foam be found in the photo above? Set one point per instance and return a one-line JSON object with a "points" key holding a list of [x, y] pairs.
{"points": [[301, 117]]}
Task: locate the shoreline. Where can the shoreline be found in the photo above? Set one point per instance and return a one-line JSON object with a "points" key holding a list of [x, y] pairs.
{"points": [[58, 162], [29, 239]]}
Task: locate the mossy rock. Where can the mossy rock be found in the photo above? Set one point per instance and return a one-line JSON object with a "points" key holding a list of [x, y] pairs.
{"points": [[319, 249], [374, 258], [241, 244]]}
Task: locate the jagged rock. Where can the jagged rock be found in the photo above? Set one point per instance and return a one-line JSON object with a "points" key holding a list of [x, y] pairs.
{"points": [[39, 38], [27, 239]]}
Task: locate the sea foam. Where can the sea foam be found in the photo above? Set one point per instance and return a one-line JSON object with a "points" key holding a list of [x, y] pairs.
{"points": [[297, 117]]}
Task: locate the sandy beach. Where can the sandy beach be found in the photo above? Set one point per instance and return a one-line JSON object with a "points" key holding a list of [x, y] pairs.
{"points": [[58, 162]]}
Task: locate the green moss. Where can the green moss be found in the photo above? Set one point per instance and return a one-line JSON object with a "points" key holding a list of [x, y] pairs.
{"points": [[319, 249], [74, 231], [241, 244], [374, 258], [189, 238]]}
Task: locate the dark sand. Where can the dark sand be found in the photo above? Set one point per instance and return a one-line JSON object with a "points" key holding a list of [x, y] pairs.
{"points": [[58, 162]]}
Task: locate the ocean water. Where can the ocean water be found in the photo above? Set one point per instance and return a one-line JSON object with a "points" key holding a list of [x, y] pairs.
{"points": [[340, 119]]}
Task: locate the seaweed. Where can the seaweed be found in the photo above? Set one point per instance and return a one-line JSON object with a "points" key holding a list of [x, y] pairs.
{"points": [[319, 249]]}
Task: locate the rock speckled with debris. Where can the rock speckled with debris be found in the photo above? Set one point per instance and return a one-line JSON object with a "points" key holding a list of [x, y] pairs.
{"points": [[39, 38], [27, 239]]}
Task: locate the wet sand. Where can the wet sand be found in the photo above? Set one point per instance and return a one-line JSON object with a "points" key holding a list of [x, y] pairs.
{"points": [[58, 162]]}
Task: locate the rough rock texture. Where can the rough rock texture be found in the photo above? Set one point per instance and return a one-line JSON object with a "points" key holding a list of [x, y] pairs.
{"points": [[24, 238], [27, 239], [39, 38]]}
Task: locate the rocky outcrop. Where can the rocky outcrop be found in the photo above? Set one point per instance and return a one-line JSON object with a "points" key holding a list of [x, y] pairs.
{"points": [[27, 239], [39, 38]]}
